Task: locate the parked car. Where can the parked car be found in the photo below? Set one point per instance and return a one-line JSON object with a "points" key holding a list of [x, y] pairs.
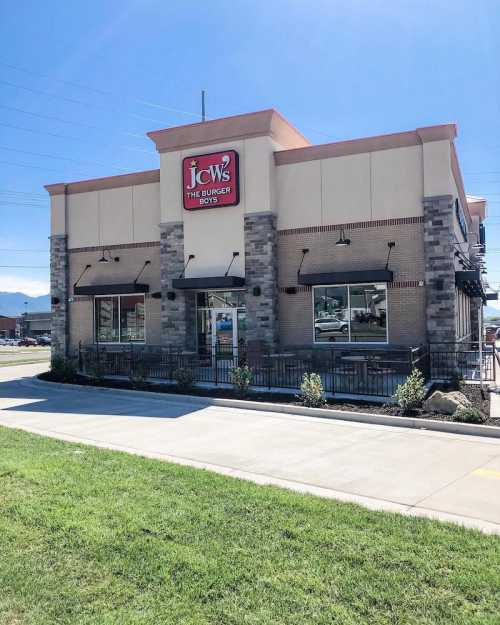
{"points": [[43, 340], [27, 341], [331, 324], [491, 334]]}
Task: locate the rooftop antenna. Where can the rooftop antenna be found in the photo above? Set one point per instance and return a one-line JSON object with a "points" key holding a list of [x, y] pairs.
{"points": [[203, 105]]}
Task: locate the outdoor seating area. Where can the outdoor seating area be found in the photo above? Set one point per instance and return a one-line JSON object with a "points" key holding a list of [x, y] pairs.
{"points": [[360, 371]]}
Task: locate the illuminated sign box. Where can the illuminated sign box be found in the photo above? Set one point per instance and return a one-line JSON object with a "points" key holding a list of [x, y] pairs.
{"points": [[211, 180]]}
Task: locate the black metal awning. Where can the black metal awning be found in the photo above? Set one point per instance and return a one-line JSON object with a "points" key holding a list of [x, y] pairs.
{"points": [[111, 289], [215, 282], [346, 277], [469, 282]]}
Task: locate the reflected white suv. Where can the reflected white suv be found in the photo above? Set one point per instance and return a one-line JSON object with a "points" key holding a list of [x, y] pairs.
{"points": [[331, 324]]}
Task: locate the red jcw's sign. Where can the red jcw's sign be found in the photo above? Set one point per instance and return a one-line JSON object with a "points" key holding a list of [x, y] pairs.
{"points": [[211, 180]]}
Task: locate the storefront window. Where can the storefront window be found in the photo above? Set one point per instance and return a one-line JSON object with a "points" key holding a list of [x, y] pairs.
{"points": [[119, 318], [350, 313]]}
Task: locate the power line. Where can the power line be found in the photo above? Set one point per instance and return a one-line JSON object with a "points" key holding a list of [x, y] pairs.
{"points": [[24, 267], [102, 92], [26, 204], [74, 123], [62, 158], [11, 249], [69, 138], [29, 166], [81, 102], [22, 192]]}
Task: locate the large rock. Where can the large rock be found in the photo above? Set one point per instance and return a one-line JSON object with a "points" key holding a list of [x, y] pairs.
{"points": [[446, 403]]}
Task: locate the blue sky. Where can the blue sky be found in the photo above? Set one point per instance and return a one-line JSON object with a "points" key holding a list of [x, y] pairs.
{"points": [[82, 82]]}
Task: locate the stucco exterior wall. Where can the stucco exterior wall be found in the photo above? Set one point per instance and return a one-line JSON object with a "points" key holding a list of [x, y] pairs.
{"points": [[213, 234], [112, 216], [358, 187]]}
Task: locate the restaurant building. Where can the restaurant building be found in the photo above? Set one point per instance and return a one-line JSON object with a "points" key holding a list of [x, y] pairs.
{"points": [[248, 234]]}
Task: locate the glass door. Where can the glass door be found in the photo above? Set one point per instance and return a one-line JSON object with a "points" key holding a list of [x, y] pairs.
{"points": [[224, 332]]}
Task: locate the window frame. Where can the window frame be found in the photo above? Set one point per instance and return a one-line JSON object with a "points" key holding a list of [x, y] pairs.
{"points": [[349, 342], [119, 296]]}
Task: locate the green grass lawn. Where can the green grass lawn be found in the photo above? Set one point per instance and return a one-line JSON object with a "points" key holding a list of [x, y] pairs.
{"points": [[93, 536]]}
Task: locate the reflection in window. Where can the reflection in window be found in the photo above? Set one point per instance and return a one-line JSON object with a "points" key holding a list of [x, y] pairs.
{"points": [[350, 313], [119, 318], [132, 318]]}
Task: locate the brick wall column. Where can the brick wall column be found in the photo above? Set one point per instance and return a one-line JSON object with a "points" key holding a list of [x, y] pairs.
{"points": [[178, 322], [59, 292], [439, 269], [261, 270]]}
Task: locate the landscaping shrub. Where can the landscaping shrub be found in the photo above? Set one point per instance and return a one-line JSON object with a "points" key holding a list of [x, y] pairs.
{"points": [[312, 392], [184, 378], [95, 373], [63, 369], [411, 394], [469, 414], [242, 378], [138, 375]]}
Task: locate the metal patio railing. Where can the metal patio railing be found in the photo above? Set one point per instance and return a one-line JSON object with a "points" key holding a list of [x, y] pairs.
{"points": [[346, 370]]}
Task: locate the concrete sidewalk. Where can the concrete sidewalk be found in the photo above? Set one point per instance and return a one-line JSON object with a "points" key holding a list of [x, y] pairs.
{"points": [[417, 472]]}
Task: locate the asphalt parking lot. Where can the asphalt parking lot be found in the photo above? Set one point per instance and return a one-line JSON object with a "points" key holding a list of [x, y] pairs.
{"points": [[13, 355]]}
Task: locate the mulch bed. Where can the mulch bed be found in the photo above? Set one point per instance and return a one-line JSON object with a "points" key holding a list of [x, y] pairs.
{"points": [[471, 391]]}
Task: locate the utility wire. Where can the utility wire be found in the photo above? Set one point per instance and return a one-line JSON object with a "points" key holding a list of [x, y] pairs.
{"points": [[81, 102], [62, 158], [18, 192], [24, 267], [11, 249], [101, 92], [69, 138], [74, 123]]}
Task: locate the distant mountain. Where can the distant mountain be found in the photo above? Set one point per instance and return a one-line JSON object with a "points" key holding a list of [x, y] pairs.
{"points": [[489, 312], [12, 304]]}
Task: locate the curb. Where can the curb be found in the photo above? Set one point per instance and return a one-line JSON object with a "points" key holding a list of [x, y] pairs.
{"points": [[450, 427]]}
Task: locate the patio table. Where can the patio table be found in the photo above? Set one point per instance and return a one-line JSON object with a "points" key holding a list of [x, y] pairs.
{"points": [[360, 364]]}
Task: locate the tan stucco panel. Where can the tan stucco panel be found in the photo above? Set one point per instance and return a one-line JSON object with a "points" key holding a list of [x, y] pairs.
{"points": [[83, 219], [397, 183], [115, 209], [57, 214], [345, 189], [437, 169], [146, 212], [298, 193], [212, 235]]}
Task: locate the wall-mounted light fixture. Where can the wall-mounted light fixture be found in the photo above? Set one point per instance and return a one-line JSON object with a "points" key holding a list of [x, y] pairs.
{"points": [[107, 258], [171, 295], [343, 240]]}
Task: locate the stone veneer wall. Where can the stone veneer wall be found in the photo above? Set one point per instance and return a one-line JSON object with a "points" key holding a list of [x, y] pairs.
{"points": [[178, 323], [261, 270], [59, 281], [439, 269]]}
